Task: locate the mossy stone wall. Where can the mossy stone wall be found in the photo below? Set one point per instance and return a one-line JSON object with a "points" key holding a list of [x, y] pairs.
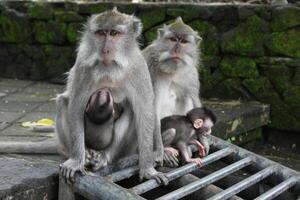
{"points": [[248, 51]]}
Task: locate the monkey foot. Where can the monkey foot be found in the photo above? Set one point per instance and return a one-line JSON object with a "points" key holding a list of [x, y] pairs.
{"points": [[69, 168], [195, 160], [172, 150], [151, 173], [170, 160]]}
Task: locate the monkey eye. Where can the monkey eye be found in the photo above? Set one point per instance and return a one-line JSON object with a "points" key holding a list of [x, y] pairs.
{"points": [[114, 33], [100, 33], [183, 41], [173, 39]]}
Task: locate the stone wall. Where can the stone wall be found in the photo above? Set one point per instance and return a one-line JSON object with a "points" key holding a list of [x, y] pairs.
{"points": [[248, 52]]}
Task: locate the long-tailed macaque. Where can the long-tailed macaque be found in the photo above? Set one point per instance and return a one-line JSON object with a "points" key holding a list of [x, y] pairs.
{"points": [[109, 59], [172, 61], [179, 131]]}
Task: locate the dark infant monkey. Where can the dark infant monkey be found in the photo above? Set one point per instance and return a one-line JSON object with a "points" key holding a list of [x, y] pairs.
{"points": [[179, 131]]}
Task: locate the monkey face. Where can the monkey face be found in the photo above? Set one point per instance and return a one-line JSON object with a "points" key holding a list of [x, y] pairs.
{"points": [[113, 32], [109, 41], [206, 127], [178, 46]]}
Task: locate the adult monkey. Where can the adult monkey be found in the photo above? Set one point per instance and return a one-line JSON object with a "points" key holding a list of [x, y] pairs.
{"points": [[172, 61], [109, 57]]}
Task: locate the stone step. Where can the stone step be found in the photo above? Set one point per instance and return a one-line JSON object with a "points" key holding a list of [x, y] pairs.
{"points": [[35, 176]]}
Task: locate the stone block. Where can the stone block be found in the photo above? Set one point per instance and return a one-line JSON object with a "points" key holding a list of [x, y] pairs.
{"points": [[49, 32], [285, 43], [151, 17], [68, 16], [40, 10], [73, 32], [246, 39], [285, 17], [239, 67], [14, 28]]}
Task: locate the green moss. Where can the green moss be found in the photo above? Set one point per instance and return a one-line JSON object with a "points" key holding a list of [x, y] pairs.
{"points": [[296, 77], [291, 97], [73, 32], [239, 67], [68, 16], [246, 39], [40, 11], [285, 43], [152, 17], [285, 17], [50, 32], [127, 8], [209, 79], [14, 29], [279, 75], [187, 12], [226, 89], [210, 43], [59, 60], [258, 86], [210, 61], [93, 8]]}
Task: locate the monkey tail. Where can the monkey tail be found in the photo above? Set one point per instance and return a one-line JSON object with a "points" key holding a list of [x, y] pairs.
{"points": [[28, 147]]}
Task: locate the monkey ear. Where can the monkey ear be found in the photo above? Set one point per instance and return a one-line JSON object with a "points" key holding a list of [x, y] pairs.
{"points": [[115, 9], [161, 31], [198, 39], [179, 20], [137, 26]]}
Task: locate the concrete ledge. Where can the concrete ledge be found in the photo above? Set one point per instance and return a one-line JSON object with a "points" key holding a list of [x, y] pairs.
{"points": [[35, 176]]}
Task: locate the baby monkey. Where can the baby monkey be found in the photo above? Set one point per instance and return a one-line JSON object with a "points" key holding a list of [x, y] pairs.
{"points": [[179, 131]]}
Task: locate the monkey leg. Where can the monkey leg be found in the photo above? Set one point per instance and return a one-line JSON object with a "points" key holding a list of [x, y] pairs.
{"points": [[170, 155], [62, 128]]}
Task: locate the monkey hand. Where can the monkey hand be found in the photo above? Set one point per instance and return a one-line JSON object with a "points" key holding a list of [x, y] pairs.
{"points": [[151, 173], [69, 167], [170, 157], [195, 160]]}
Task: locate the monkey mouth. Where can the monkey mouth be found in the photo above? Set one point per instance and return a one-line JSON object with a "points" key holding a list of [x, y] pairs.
{"points": [[176, 59]]}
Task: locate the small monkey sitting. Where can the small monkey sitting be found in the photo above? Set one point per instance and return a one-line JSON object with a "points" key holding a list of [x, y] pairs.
{"points": [[179, 131]]}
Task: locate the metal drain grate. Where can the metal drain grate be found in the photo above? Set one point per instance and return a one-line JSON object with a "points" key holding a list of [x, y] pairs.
{"points": [[104, 185]]}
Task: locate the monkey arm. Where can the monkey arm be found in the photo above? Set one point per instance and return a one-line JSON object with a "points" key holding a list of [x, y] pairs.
{"points": [[78, 98], [183, 149], [200, 147], [204, 140], [193, 87], [141, 97]]}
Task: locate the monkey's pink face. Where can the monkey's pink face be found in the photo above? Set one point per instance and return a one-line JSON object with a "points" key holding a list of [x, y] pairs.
{"points": [[206, 126], [178, 45], [109, 44]]}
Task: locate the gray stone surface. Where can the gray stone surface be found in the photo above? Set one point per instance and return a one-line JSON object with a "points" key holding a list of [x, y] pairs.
{"points": [[35, 176]]}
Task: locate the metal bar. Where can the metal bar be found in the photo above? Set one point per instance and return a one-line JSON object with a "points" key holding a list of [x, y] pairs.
{"points": [[123, 174], [151, 184], [236, 188], [261, 162], [95, 188], [277, 190], [192, 187]]}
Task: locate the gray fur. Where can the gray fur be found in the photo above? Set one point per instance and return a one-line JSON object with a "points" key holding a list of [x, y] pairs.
{"points": [[181, 79], [130, 82]]}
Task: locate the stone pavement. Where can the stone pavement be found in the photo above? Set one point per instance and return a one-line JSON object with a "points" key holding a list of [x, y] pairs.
{"points": [[35, 176]]}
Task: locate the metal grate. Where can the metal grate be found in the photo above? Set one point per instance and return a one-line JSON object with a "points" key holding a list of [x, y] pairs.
{"points": [[103, 186]]}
